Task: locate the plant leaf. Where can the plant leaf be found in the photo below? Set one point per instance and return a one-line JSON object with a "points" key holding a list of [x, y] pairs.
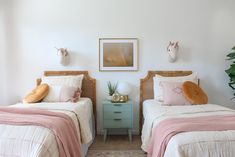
{"points": [[231, 70], [232, 79], [231, 56], [231, 85], [112, 88]]}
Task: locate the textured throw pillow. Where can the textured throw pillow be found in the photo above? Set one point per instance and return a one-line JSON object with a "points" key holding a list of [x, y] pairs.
{"points": [[158, 92], [173, 94], [194, 94], [37, 94], [76, 96], [72, 81]]}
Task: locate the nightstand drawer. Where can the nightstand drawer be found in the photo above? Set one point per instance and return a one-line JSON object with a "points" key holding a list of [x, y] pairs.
{"points": [[117, 107], [118, 123], [117, 115]]}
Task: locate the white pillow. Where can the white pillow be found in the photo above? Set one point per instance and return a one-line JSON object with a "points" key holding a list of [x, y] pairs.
{"points": [[53, 94], [62, 94], [72, 81], [157, 89]]}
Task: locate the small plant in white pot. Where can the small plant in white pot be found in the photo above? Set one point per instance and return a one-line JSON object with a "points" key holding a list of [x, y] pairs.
{"points": [[112, 89]]}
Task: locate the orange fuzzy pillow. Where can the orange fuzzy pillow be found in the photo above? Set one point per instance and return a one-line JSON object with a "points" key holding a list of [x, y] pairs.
{"points": [[194, 94], [37, 94]]}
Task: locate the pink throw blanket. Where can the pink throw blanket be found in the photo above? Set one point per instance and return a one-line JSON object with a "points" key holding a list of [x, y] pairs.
{"points": [[166, 129], [60, 124]]}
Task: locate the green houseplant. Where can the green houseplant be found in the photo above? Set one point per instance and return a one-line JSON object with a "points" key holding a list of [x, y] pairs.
{"points": [[112, 88], [231, 70]]}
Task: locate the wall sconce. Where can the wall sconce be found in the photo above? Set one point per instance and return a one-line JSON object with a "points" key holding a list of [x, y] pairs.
{"points": [[172, 50], [63, 55]]}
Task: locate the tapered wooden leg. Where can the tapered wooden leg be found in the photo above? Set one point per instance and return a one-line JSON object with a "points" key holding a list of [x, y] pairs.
{"points": [[130, 135], [105, 134]]}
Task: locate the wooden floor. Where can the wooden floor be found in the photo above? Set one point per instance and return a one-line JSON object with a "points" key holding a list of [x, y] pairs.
{"points": [[116, 142]]}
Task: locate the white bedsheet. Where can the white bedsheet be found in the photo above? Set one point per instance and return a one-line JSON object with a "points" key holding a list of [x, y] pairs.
{"points": [[189, 144], [36, 141]]}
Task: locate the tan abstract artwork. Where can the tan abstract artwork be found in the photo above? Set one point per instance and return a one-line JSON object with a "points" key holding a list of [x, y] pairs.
{"points": [[118, 54]]}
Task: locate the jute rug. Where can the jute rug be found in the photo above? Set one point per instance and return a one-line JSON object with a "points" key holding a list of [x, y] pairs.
{"points": [[116, 153]]}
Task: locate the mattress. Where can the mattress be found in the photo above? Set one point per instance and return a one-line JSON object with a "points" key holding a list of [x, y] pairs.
{"points": [[193, 144], [37, 141]]}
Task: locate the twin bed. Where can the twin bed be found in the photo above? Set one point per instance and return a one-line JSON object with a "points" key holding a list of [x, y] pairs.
{"points": [[209, 142], [38, 141]]}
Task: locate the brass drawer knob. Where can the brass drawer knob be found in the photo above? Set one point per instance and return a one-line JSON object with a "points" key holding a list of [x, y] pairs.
{"points": [[117, 112], [117, 119]]}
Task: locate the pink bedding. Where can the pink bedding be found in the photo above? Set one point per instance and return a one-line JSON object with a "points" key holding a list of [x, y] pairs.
{"points": [[168, 128], [60, 124]]}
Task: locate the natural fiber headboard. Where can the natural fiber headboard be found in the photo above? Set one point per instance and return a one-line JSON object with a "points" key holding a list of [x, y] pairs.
{"points": [[146, 87], [88, 85]]}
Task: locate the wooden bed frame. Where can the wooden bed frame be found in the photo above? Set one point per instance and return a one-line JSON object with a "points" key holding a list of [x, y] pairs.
{"points": [[88, 86], [146, 88]]}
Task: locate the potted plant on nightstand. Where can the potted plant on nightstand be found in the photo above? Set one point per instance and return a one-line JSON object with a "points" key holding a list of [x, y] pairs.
{"points": [[112, 89], [231, 70]]}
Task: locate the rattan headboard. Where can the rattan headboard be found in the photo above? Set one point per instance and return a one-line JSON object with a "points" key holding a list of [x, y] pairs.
{"points": [[146, 87], [88, 85]]}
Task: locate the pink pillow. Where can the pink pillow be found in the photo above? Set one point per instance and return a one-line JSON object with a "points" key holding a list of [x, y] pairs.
{"points": [[76, 96], [173, 94], [69, 94]]}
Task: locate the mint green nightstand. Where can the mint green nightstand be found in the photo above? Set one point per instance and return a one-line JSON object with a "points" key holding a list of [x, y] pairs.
{"points": [[117, 116]]}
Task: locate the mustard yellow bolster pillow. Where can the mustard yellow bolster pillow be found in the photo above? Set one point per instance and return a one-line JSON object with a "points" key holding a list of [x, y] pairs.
{"points": [[194, 94], [37, 94]]}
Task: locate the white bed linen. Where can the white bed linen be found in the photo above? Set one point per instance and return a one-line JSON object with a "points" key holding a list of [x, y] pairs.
{"points": [[86, 146], [37, 141], [189, 144]]}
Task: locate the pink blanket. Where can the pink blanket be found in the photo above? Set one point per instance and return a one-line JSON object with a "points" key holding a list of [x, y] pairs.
{"points": [[164, 131], [60, 124]]}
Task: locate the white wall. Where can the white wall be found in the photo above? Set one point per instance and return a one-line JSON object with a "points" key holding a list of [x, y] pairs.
{"points": [[204, 29], [2, 56], [14, 48], [9, 60]]}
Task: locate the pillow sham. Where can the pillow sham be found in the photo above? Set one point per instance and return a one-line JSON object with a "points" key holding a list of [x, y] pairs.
{"points": [[63, 94], [53, 95], [157, 88], [173, 94], [72, 81], [194, 93], [37, 94]]}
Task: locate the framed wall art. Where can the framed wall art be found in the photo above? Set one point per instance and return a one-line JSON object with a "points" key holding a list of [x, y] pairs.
{"points": [[118, 54]]}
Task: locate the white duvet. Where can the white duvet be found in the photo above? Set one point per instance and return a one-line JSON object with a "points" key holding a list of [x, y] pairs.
{"points": [[190, 144], [36, 141]]}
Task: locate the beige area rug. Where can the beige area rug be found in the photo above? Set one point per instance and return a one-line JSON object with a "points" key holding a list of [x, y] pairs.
{"points": [[116, 146], [116, 153]]}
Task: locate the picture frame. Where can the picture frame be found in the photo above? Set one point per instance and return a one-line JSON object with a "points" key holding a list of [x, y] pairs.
{"points": [[118, 54]]}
